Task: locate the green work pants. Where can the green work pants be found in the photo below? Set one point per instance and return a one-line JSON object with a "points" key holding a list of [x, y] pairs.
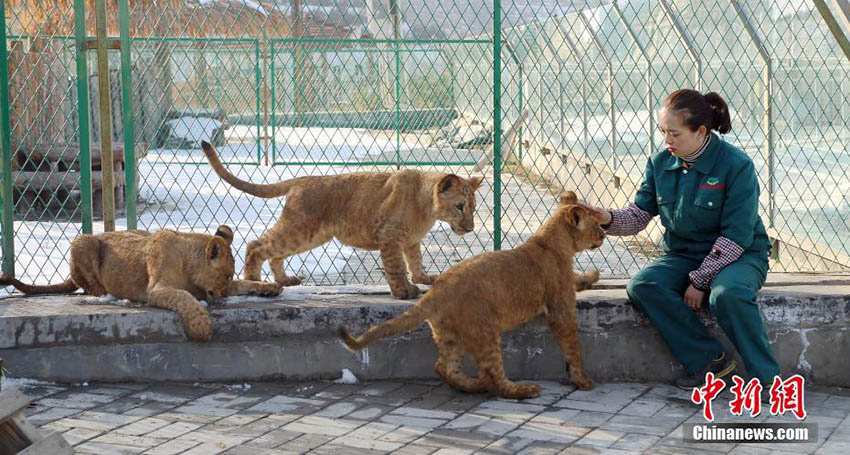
{"points": [[659, 288]]}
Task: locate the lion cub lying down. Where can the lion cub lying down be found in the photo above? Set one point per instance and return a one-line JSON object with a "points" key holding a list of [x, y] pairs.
{"points": [[472, 303], [168, 269], [389, 212]]}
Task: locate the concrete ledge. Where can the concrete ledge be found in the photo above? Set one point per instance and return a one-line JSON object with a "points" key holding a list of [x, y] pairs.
{"points": [[75, 339]]}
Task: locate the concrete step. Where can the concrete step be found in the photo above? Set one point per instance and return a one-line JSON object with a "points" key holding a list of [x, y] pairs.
{"points": [[293, 337]]}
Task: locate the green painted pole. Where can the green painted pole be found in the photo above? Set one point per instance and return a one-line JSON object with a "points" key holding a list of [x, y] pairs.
{"points": [[8, 224], [259, 95], [394, 13], [497, 125], [127, 114], [83, 114], [274, 106]]}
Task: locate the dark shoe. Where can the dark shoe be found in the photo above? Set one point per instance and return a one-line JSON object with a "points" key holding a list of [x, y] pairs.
{"points": [[723, 365]]}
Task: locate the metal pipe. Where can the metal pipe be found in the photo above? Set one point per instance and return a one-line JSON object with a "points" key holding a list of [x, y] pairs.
{"points": [[105, 105], [497, 125], [834, 25], [650, 102], [127, 117], [8, 225], [686, 40], [584, 114], [609, 67], [83, 114], [767, 100], [297, 57]]}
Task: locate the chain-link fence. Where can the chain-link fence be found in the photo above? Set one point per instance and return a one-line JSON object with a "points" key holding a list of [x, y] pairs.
{"points": [[307, 87]]}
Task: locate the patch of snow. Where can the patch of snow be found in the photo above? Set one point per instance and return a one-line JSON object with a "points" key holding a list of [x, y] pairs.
{"points": [[347, 377], [23, 383], [244, 387], [193, 129], [246, 3]]}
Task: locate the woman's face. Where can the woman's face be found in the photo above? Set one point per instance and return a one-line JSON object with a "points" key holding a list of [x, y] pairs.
{"points": [[679, 138]]}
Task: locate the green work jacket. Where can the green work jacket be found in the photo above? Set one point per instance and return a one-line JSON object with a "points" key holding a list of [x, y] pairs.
{"points": [[717, 196]]}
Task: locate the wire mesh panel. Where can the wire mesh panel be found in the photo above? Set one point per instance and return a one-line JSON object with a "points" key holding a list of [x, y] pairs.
{"points": [[41, 111], [287, 88], [597, 72]]}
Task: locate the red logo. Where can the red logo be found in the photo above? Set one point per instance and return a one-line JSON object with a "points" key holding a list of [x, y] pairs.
{"points": [[712, 187], [746, 397], [707, 393], [785, 396]]}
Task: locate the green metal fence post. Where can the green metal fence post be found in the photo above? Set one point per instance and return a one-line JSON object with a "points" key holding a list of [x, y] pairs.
{"points": [[127, 114], [259, 93], [84, 133], [8, 224], [497, 125], [272, 101], [394, 14]]}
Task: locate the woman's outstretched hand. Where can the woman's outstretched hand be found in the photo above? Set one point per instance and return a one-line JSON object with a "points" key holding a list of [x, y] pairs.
{"points": [[601, 216]]}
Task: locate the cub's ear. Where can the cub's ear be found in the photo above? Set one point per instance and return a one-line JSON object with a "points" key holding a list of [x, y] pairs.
{"points": [[568, 198], [476, 182], [225, 233], [575, 216], [447, 182], [216, 247]]}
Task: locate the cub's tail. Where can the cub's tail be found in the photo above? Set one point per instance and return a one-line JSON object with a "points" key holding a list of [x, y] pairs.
{"points": [[66, 287], [264, 191], [402, 323]]}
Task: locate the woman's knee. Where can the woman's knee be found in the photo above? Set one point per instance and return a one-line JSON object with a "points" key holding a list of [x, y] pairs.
{"points": [[727, 300], [639, 290]]}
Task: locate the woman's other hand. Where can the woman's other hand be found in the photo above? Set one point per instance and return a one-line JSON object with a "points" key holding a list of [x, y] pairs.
{"points": [[694, 297]]}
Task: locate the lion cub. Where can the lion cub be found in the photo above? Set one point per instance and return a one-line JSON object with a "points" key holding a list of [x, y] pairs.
{"points": [[389, 212], [168, 269], [472, 303]]}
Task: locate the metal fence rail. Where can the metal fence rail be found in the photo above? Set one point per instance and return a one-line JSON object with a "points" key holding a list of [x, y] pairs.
{"points": [[287, 88]]}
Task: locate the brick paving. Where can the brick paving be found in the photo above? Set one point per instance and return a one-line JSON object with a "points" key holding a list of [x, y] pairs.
{"points": [[402, 417]]}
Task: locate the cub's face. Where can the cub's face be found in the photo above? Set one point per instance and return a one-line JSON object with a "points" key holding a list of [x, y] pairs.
{"points": [[583, 228], [455, 202], [217, 276]]}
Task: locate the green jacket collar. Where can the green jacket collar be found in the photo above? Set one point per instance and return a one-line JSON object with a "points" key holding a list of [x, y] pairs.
{"points": [[704, 163]]}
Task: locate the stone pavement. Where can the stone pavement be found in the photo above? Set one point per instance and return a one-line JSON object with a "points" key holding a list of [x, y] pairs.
{"points": [[402, 417]]}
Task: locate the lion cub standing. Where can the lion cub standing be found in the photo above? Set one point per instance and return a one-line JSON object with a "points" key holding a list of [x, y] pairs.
{"points": [[168, 269], [472, 303], [389, 212]]}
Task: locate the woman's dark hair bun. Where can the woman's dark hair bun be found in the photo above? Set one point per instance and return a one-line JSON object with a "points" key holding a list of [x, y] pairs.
{"points": [[721, 122]]}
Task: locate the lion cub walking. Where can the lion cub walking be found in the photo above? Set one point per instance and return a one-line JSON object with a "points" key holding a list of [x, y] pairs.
{"points": [[389, 212], [168, 269], [472, 303]]}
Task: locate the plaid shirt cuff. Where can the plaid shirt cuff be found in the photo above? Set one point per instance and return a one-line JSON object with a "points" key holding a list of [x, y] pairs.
{"points": [[723, 253], [627, 221]]}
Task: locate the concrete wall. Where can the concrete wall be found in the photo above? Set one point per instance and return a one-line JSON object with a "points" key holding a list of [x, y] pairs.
{"points": [[294, 337]]}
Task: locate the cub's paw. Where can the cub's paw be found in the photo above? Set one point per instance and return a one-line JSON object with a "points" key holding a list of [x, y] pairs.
{"points": [[268, 289], [288, 281], [585, 280], [425, 279], [407, 292], [582, 381], [199, 326]]}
